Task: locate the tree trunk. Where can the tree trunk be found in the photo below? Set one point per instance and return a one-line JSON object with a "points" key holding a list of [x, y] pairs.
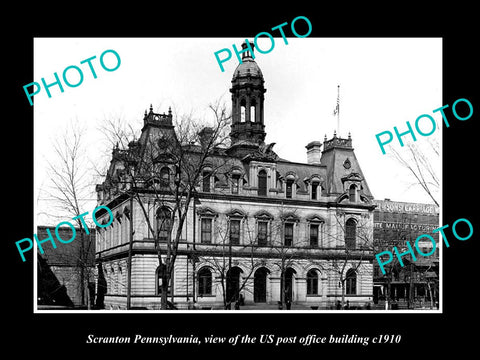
{"points": [[164, 297], [388, 296], [431, 295]]}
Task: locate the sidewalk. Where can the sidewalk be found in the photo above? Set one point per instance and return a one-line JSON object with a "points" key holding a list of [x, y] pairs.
{"points": [[273, 307]]}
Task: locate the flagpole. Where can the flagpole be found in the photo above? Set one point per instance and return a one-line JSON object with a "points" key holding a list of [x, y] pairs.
{"points": [[338, 110]]}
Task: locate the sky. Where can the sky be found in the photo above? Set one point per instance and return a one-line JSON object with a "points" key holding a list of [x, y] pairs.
{"points": [[384, 82]]}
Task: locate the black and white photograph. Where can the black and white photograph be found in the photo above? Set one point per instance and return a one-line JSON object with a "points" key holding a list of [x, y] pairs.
{"points": [[275, 183], [233, 194]]}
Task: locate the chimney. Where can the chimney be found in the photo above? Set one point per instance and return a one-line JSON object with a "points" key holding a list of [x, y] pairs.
{"points": [[313, 152]]}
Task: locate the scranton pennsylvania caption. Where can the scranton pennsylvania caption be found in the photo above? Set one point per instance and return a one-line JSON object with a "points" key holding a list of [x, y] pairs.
{"points": [[92, 339]]}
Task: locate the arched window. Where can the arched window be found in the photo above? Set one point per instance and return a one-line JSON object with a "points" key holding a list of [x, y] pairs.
{"points": [[165, 177], [351, 282], [243, 106], [204, 282], [164, 224], [262, 183], [352, 193], [252, 110], [350, 233], [312, 282]]}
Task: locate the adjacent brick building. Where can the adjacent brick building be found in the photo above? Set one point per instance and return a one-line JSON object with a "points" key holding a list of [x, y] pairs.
{"points": [[66, 274], [395, 223]]}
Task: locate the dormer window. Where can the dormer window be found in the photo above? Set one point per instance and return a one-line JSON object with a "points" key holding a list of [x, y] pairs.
{"points": [[262, 183], [289, 189], [206, 181], [235, 183], [315, 185], [165, 177], [352, 193]]}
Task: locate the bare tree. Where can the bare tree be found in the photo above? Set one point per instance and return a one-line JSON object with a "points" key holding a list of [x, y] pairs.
{"points": [[358, 247], [71, 190], [286, 254], [420, 162], [219, 257], [166, 170]]}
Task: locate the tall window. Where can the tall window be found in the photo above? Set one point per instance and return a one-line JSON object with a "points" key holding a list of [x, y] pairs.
{"points": [[206, 181], [235, 232], [288, 236], [350, 233], [262, 183], [164, 224], [262, 233], [206, 231], [235, 183], [351, 282], [314, 190], [352, 193], [312, 282], [252, 113], [314, 235], [289, 188], [204, 282]]}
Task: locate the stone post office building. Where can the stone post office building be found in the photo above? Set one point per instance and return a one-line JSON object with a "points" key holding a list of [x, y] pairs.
{"points": [[273, 229]]}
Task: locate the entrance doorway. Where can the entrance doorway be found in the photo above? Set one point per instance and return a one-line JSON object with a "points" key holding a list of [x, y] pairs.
{"points": [[260, 285], [289, 273], [233, 284]]}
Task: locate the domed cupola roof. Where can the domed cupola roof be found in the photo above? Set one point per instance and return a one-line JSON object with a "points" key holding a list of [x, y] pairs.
{"points": [[248, 67]]}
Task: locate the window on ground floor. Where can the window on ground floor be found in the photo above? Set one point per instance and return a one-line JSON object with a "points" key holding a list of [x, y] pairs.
{"points": [[204, 282], [351, 282], [312, 282]]}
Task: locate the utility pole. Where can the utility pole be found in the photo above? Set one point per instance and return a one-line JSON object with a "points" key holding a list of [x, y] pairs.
{"points": [[129, 264]]}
